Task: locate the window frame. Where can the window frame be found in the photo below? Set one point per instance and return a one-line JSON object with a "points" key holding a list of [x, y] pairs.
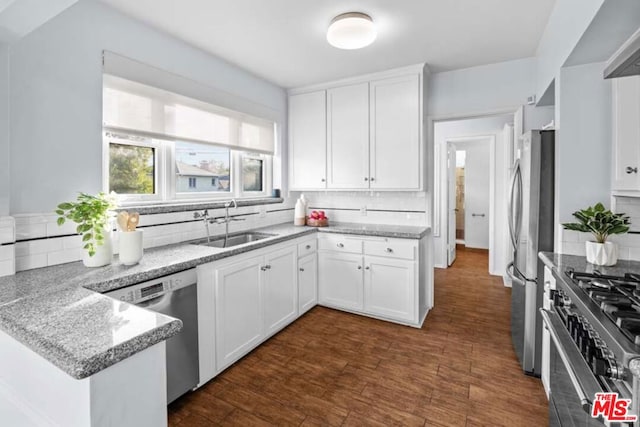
{"points": [[159, 150], [165, 173], [266, 174]]}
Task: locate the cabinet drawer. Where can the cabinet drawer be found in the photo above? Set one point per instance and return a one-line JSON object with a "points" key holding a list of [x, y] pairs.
{"points": [[340, 243], [392, 248], [308, 247]]}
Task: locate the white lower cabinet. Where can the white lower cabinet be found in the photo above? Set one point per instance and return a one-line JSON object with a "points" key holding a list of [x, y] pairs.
{"points": [[245, 299], [379, 277], [390, 288], [340, 280], [280, 289], [238, 307], [307, 283]]}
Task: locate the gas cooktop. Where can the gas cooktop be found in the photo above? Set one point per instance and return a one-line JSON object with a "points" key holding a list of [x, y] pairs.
{"points": [[617, 296]]}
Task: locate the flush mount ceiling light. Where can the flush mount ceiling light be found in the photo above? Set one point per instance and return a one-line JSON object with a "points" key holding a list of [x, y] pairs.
{"points": [[353, 30]]}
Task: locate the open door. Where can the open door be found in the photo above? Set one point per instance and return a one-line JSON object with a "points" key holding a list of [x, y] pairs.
{"points": [[451, 203]]}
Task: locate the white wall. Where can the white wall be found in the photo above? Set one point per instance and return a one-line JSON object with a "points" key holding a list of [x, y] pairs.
{"points": [[4, 129], [476, 192], [567, 23], [470, 128], [488, 88], [56, 97], [583, 142]]}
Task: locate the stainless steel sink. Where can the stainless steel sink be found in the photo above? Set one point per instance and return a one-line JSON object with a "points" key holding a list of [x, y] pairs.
{"points": [[234, 239]]}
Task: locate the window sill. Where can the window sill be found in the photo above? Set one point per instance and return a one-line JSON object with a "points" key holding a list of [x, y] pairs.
{"points": [[160, 208]]}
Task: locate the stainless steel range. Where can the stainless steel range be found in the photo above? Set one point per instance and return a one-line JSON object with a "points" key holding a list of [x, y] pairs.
{"points": [[594, 324]]}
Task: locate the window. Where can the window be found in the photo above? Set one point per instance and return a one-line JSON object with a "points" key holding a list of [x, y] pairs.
{"points": [[161, 146], [252, 174], [132, 169]]}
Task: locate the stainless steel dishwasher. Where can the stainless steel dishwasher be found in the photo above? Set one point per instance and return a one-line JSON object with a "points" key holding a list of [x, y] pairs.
{"points": [[176, 296]]}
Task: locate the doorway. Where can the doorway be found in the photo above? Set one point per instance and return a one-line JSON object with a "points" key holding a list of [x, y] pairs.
{"points": [[461, 156], [471, 173], [455, 139]]}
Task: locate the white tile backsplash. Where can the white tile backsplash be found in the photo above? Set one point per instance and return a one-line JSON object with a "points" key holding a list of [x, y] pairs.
{"points": [[42, 243], [7, 230]]}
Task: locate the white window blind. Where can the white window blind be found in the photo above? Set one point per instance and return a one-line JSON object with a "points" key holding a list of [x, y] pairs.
{"points": [[136, 108]]}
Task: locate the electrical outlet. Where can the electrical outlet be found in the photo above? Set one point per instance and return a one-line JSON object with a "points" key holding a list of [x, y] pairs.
{"points": [[263, 211], [363, 211]]}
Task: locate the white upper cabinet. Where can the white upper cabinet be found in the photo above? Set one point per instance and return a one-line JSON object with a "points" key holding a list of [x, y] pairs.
{"points": [[348, 137], [373, 135], [307, 140], [396, 151], [626, 134]]}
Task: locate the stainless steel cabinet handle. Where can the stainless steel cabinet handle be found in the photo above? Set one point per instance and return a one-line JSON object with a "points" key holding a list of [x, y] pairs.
{"points": [[475, 214], [340, 245], [629, 169], [308, 247], [389, 250], [359, 267], [367, 268]]}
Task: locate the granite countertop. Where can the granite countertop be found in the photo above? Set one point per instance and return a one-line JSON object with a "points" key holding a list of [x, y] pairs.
{"points": [[560, 262], [59, 311], [398, 231]]}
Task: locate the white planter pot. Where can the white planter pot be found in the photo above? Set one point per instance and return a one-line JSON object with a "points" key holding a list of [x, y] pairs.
{"points": [[103, 255], [605, 254]]}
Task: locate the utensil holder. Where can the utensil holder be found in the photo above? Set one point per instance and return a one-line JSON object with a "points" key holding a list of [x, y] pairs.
{"points": [[130, 247]]}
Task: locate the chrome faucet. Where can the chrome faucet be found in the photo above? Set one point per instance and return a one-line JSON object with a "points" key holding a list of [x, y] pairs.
{"points": [[205, 218], [227, 220]]}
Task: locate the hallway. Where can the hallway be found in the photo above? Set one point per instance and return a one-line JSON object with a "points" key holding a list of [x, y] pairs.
{"points": [[334, 368]]}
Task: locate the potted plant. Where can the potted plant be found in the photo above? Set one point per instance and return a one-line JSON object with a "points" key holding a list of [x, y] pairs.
{"points": [[601, 223], [93, 215]]}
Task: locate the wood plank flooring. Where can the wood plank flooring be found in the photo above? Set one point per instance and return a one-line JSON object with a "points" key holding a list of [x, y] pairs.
{"points": [[333, 368]]}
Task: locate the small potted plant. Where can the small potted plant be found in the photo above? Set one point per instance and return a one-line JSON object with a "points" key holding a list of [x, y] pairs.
{"points": [[93, 215], [601, 223]]}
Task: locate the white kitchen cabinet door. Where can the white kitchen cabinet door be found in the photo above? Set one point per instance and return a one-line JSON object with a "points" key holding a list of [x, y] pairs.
{"points": [[396, 155], [280, 289], [238, 302], [390, 288], [626, 133], [340, 280], [308, 140], [348, 137], [307, 283]]}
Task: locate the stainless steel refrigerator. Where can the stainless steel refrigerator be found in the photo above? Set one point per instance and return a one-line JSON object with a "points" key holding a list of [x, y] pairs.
{"points": [[531, 230]]}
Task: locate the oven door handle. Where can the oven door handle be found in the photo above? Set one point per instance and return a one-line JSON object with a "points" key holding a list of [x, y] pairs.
{"points": [[557, 338]]}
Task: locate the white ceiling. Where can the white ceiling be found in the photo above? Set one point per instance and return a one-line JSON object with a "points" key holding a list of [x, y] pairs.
{"points": [[284, 41]]}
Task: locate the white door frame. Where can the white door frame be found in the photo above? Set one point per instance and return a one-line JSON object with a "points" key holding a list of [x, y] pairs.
{"points": [[492, 180], [434, 210]]}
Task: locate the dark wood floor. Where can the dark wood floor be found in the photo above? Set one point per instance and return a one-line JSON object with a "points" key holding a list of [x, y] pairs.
{"points": [[333, 368]]}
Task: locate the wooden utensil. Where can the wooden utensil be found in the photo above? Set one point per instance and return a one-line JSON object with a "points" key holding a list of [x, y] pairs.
{"points": [[134, 219], [123, 220]]}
